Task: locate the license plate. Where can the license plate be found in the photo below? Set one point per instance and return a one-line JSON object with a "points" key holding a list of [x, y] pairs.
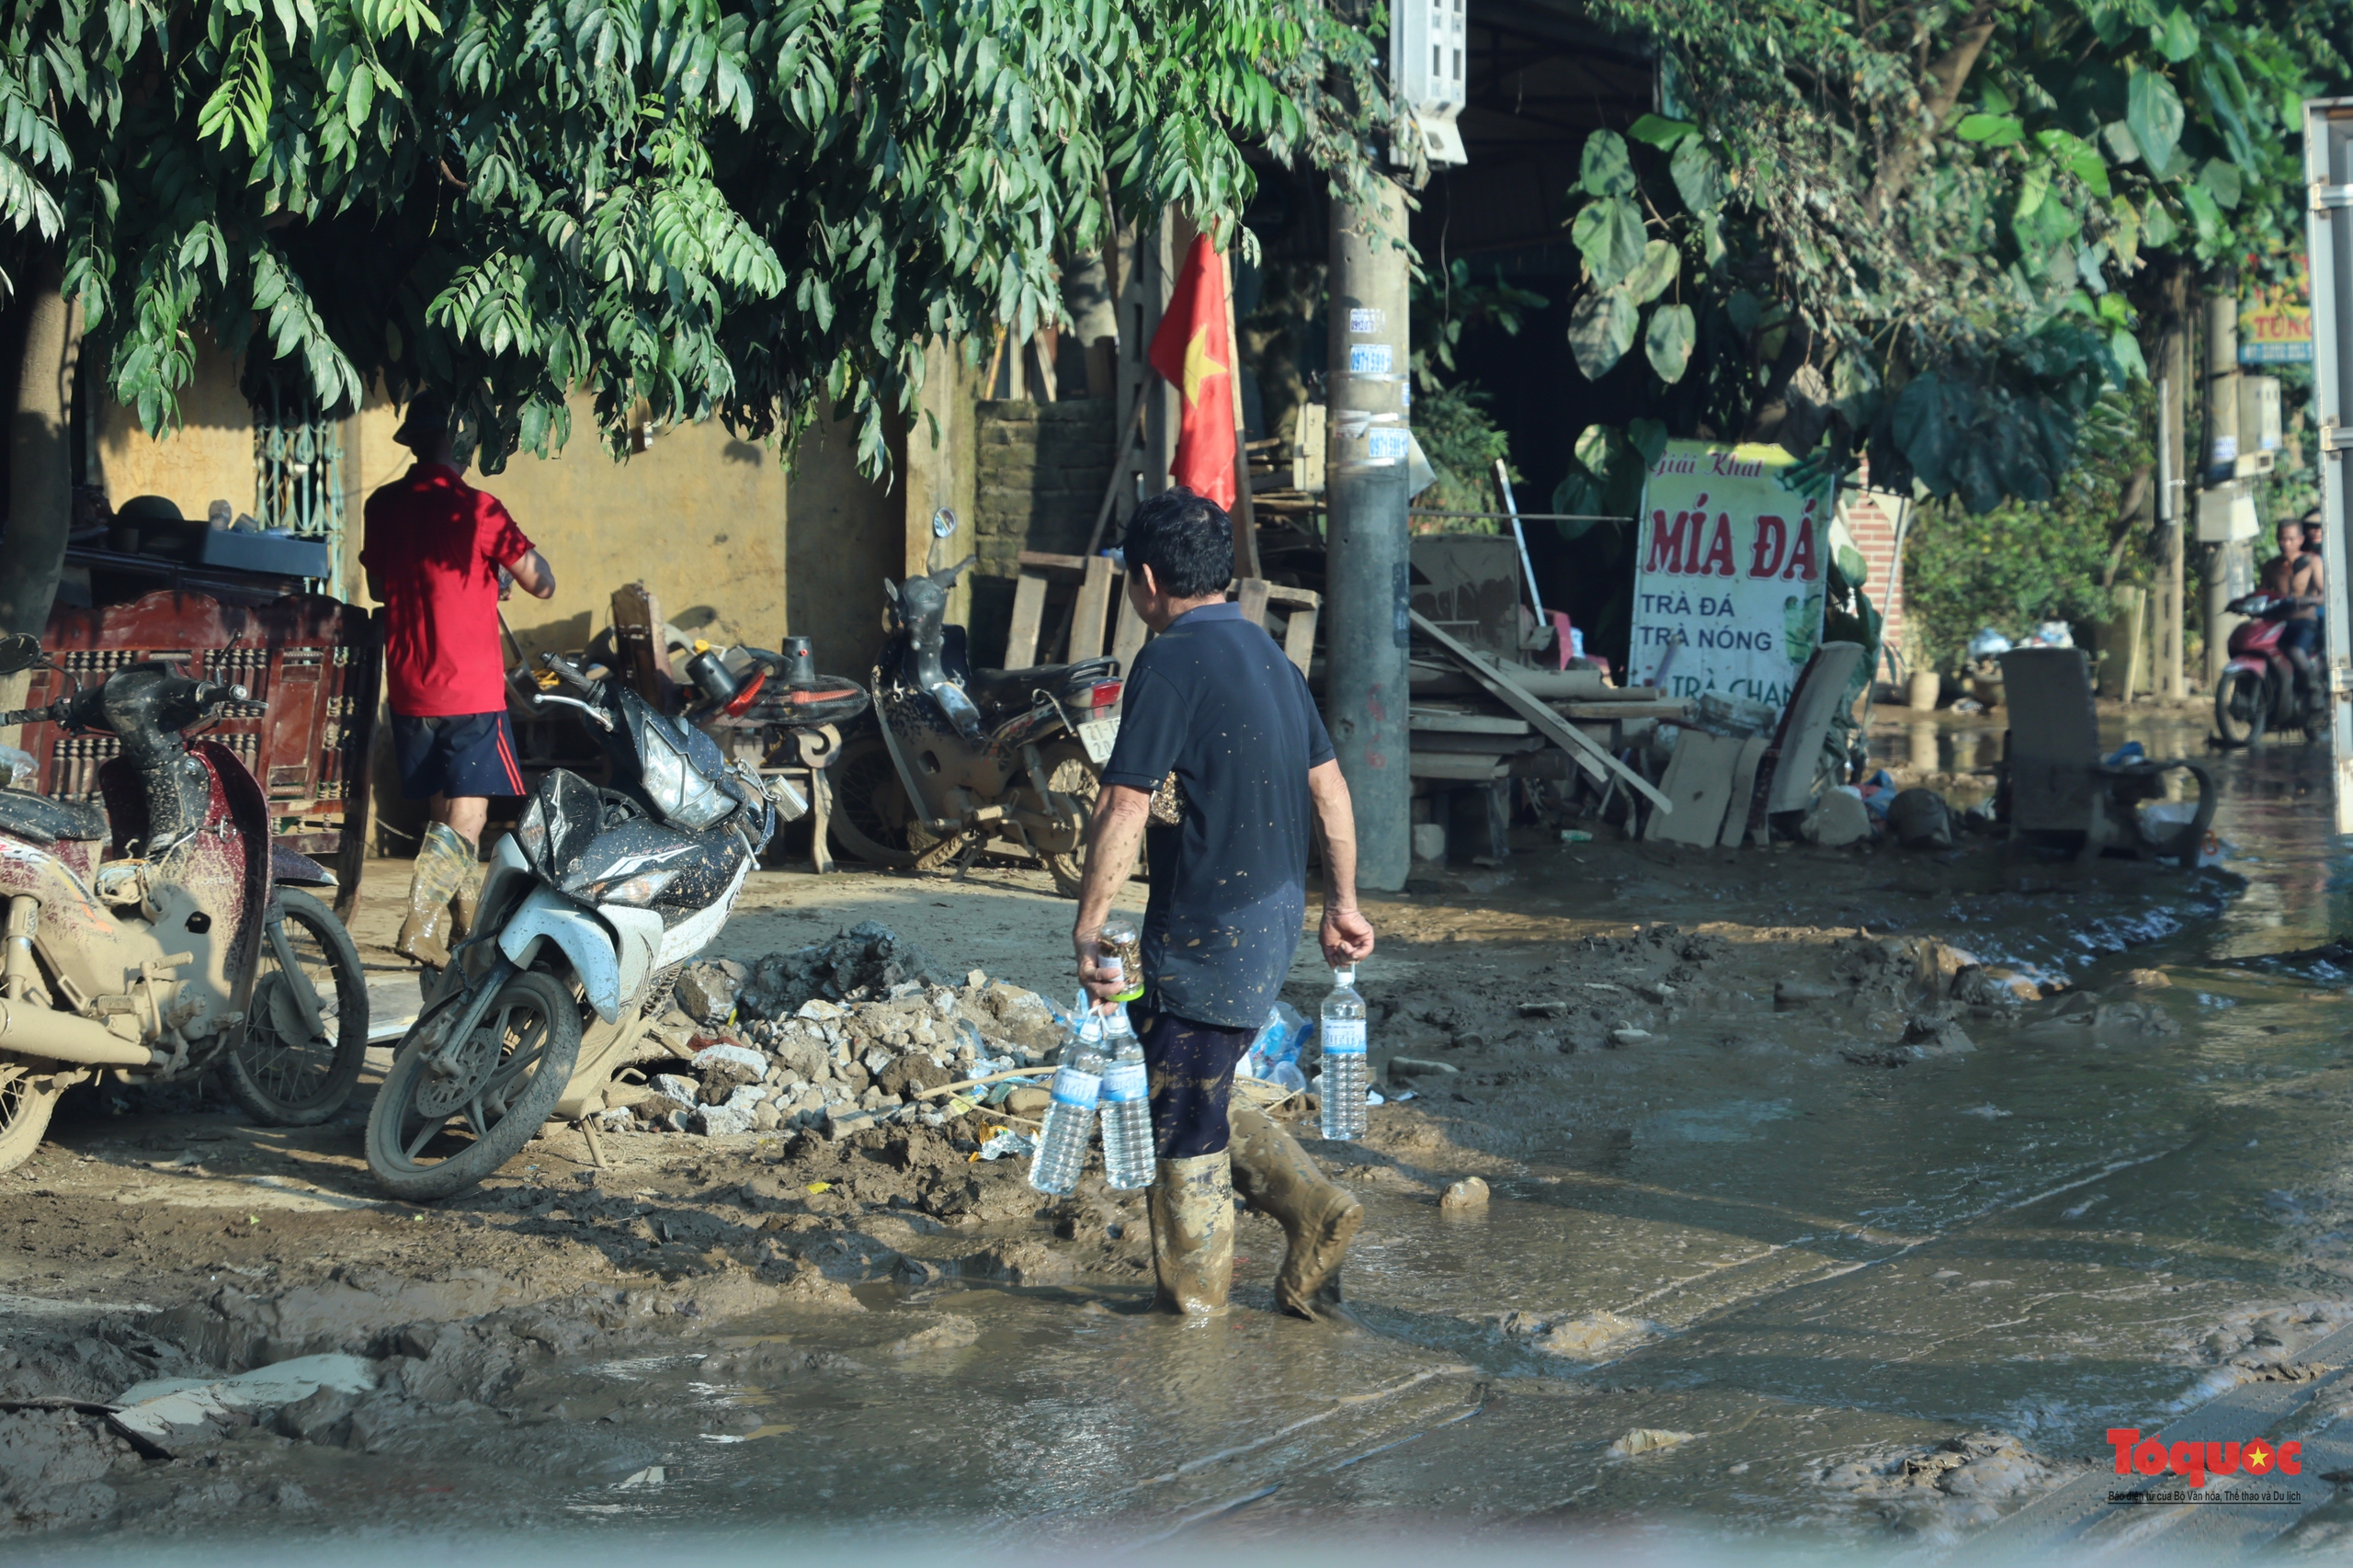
{"points": [[1098, 736]]}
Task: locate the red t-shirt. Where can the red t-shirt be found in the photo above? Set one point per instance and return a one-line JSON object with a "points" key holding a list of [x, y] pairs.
{"points": [[434, 545]]}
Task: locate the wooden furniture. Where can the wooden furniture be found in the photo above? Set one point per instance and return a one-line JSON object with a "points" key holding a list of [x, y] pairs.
{"points": [[1101, 608], [314, 666]]}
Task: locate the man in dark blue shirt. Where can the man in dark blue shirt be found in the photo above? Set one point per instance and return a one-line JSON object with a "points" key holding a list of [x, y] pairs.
{"points": [[1222, 766]]}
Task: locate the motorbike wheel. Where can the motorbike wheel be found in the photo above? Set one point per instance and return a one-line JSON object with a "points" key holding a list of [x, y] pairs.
{"points": [[870, 813], [280, 1074], [2242, 706], [24, 1113], [1070, 771], [507, 1078]]}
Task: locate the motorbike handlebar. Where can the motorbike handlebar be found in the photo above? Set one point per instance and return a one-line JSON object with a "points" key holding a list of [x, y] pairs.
{"points": [[567, 672], [51, 714]]}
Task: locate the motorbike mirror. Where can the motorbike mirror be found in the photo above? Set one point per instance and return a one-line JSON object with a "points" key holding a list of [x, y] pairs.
{"points": [[20, 651], [943, 523]]}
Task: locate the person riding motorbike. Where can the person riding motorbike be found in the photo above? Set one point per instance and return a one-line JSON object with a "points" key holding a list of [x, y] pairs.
{"points": [[2299, 576]]}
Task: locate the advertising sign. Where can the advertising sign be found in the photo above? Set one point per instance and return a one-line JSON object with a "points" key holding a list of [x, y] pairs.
{"points": [[2276, 324], [1729, 572]]}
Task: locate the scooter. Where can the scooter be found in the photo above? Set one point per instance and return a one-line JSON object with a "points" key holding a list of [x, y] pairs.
{"points": [[165, 936], [587, 912], [958, 758], [2257, 691]]}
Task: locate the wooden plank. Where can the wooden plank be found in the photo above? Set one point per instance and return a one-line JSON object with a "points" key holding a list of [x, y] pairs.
{"points": [[1473, 768], [1743, 791], [1807, 720], [1132, 633], [637, 631], [1029, 611], [1250, 594], [1299, 636], [1548, 723], [1500, 746], [1039, 560], [1093, 608], [1671, 709], [1277, 594], [1244, 519], [1465, 723], [1699, 782]]}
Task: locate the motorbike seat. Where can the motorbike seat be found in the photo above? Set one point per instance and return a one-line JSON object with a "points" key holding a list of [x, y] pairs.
{"points": [[1000, 691], [44, 821]]}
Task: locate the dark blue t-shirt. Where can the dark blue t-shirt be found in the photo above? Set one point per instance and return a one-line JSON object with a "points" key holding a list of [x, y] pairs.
{"points": [[1215, 700]]}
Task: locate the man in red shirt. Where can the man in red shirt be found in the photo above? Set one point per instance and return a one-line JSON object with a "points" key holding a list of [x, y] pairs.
{"points": [[435, 550]]}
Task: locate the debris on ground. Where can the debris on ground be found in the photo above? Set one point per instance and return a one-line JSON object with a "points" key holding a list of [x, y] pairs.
{"points": [[841, 1035]]}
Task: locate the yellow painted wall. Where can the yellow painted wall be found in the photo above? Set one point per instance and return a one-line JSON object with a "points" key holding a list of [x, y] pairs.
{"points": [[211, 458]]}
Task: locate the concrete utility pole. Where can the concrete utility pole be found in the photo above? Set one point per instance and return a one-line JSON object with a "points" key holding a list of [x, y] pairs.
{"points": [[1367, 571], [2173, 365], [2221, 456]]}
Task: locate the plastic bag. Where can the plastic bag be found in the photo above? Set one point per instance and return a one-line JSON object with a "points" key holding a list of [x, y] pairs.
{"points": [[17, 769], [1276, 1046], [1987, 643]]}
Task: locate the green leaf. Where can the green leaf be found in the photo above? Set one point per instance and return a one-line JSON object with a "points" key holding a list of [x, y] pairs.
{"points": [[1657, 268], [2221, 181], [1659, 132], [2204, 212], [1606, 169], [1993, 130], [1648, 437], [1698, 177], [2154, 114], [1608, 233], [2127, 351], [1601, 328], [2158, 229], [2031, 191], [2176, 37], [1669, 342]]}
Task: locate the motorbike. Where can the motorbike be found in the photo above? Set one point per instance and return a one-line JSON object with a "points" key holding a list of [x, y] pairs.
{"points": [[167, 935], [958, 758], [587, 912], [2257, 691]]}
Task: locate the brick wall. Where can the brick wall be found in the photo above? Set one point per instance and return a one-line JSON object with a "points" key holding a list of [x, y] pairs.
{"points": [[1044, 467], [1872, 517]]}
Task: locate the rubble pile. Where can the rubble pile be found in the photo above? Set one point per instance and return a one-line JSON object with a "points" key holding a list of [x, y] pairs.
{"points": [[834, 1038]]}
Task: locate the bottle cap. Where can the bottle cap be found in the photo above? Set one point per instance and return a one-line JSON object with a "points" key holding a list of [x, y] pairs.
{"points": [[1344, 975]]}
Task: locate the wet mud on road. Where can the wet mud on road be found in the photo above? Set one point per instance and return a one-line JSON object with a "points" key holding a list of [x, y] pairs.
{"points": [[1835, 1197]]}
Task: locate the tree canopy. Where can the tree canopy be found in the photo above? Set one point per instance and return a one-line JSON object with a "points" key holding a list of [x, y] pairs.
{"points": [[750, 209], [1928, 231]]}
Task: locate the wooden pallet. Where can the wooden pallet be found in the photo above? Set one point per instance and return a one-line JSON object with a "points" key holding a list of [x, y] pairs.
{"points": [[1102, 608]]}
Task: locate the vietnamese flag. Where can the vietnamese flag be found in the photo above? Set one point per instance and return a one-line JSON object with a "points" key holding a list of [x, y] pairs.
{"points": [[1195, 352]]}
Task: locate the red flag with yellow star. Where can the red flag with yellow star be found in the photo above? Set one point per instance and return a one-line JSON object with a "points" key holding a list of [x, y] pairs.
{"points": [[1195, 352]]}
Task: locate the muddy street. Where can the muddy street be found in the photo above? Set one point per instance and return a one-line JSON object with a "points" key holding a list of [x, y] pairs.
{"points": [[1831, 1197]]}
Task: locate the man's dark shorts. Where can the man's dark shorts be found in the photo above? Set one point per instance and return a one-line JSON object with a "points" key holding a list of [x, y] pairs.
{"points": [[2303, 634], [1190, 1067], [456, 754]]}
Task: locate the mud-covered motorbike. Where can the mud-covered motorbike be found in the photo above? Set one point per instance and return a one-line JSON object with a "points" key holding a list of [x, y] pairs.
{"points": [[165, 936], [589, 908], [958, 758], [2259, 692]]}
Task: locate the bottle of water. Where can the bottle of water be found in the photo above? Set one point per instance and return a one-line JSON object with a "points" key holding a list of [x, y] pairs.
{"points": [[1346, 1077], [1070, 1120], [1128, 1157]]}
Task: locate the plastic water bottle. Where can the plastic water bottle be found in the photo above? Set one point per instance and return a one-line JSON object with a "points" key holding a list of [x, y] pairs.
{"points": [[1128, 1157], [1070, 1120], [1346, 1075]]}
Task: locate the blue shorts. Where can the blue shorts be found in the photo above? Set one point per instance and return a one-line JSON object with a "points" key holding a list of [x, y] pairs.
{"points": [[2295, 634], [456, 754], [1190, 1068]]}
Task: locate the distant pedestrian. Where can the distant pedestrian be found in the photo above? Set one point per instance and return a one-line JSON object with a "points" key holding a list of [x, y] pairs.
{"points": [[1222, 766], [436, 553]]}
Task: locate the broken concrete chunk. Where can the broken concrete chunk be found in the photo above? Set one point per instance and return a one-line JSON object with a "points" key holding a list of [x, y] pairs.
{"points": [[820, 1010], [707, 990], [750, 1060], [1648, 1440], [671, 1086], [1415, 1067], [1798, 993], [1839, 818], [722, 1121], [1544, 1009], [1622, 1038]]}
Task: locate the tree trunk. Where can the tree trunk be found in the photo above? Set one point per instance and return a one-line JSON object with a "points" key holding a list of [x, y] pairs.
{"points": [[40, 480], [1947, 73]]}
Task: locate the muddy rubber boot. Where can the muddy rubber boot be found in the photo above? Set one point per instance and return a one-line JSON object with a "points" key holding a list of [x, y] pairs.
{"points": [[1191, 1209], [443, 863], [1277, 1178], [465, 903]]}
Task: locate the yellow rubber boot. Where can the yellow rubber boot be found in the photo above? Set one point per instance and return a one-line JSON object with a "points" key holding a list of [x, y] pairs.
{"points": [[1277, 1177], [443, 863], [1191, 1208]]}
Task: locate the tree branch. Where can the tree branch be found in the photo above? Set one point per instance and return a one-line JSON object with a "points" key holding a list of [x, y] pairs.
{"points": [[1947, 74]]}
